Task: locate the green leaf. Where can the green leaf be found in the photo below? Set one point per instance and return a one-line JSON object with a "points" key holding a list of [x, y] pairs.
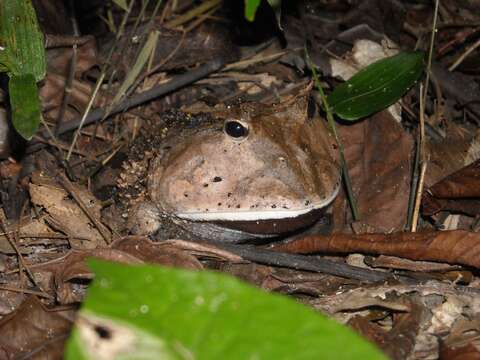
{"points": [[21, 39], [6, 64], [377, 86], [251, 8], [25, 104], [122, 4], [148, 312]]}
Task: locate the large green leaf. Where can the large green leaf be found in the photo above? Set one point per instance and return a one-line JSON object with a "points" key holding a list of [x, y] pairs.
{"points": [[25, 104], [21, 39], [149, 312], [377, 86]]}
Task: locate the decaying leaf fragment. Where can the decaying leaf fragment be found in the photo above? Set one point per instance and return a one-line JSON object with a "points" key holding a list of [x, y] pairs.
{"points": [[454, 247], [64, 213]]}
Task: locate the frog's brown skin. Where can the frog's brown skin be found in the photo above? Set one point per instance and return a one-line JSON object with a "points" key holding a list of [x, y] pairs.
{"points": [[244, 172]]}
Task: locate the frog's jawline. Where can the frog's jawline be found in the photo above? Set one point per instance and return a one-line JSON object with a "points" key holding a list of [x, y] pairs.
{"points": [[246, 215]]}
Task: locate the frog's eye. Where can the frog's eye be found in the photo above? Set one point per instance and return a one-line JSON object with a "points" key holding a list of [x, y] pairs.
{"points": [[235, 129]]}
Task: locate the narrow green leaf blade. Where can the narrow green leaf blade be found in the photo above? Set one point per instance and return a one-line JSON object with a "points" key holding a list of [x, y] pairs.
{"points": [[251, 8], [178, 314], [21, 38], [25, 104], [122, 4], [142, 59], [377, 86]]}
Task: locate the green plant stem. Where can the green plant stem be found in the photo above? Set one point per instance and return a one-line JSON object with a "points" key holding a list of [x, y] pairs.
{"points": [[346, 177], [420, 155]]}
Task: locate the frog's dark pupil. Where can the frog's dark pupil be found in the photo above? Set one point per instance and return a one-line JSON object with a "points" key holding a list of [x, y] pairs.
{"points": [[235, 129]]}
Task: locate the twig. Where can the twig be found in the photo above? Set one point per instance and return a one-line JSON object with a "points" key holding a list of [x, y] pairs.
{"points": [[418, 197], [309, 263], [422, 163], [199, 10], [331, 122], [68, 186], [421, 138], [430, 50], [21, 261], [84, 117], [27, 291], [71, 71], [464, 55], [56, 41]]}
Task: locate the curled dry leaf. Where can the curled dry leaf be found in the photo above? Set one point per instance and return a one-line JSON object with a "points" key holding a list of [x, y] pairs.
{"points": [[71, 273], [462, 184], [454, 247], [458, 193], [398, 341], [432, 205], [71, 270], [392, 262], [378, 154], [157, 253], [449, 156]]}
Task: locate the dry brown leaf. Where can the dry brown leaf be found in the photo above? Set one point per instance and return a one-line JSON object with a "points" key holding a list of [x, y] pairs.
{"points": [[378, 153], [65, 214], [462, 184], [432, 205], [33, 332], [467, 352], [71, 273], [369, 330], [157, 253], [454, 247]]}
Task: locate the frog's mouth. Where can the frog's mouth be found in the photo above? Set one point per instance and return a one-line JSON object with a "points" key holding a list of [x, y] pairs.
{"points": [[278, 214]]}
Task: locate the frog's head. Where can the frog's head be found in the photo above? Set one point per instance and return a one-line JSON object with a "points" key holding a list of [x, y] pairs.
{"points": [[256, 168]]}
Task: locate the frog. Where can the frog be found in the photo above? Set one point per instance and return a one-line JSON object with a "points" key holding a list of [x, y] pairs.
{"points": [[237, 173]]}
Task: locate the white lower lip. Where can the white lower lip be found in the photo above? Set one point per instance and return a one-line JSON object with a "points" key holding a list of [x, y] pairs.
{"points": [[247, 215]]}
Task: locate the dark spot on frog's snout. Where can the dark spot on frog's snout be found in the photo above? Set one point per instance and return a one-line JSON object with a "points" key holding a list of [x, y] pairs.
{"points": [[217, 179]]}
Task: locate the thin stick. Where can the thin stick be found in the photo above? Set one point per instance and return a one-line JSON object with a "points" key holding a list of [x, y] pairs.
{"points": [[346, 177], [21, 261], [422, 163], [421, 138], [418, 198], [464, 55], [309, 263], [430, 50], [199, 10], [27, 291], [68, 186], [71, 71]]}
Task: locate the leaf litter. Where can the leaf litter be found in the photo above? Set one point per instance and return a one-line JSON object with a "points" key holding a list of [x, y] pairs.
{"points": [[435, 315]]}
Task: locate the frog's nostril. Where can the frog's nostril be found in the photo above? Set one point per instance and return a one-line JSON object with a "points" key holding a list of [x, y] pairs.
{"points": [[217, 179]]}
